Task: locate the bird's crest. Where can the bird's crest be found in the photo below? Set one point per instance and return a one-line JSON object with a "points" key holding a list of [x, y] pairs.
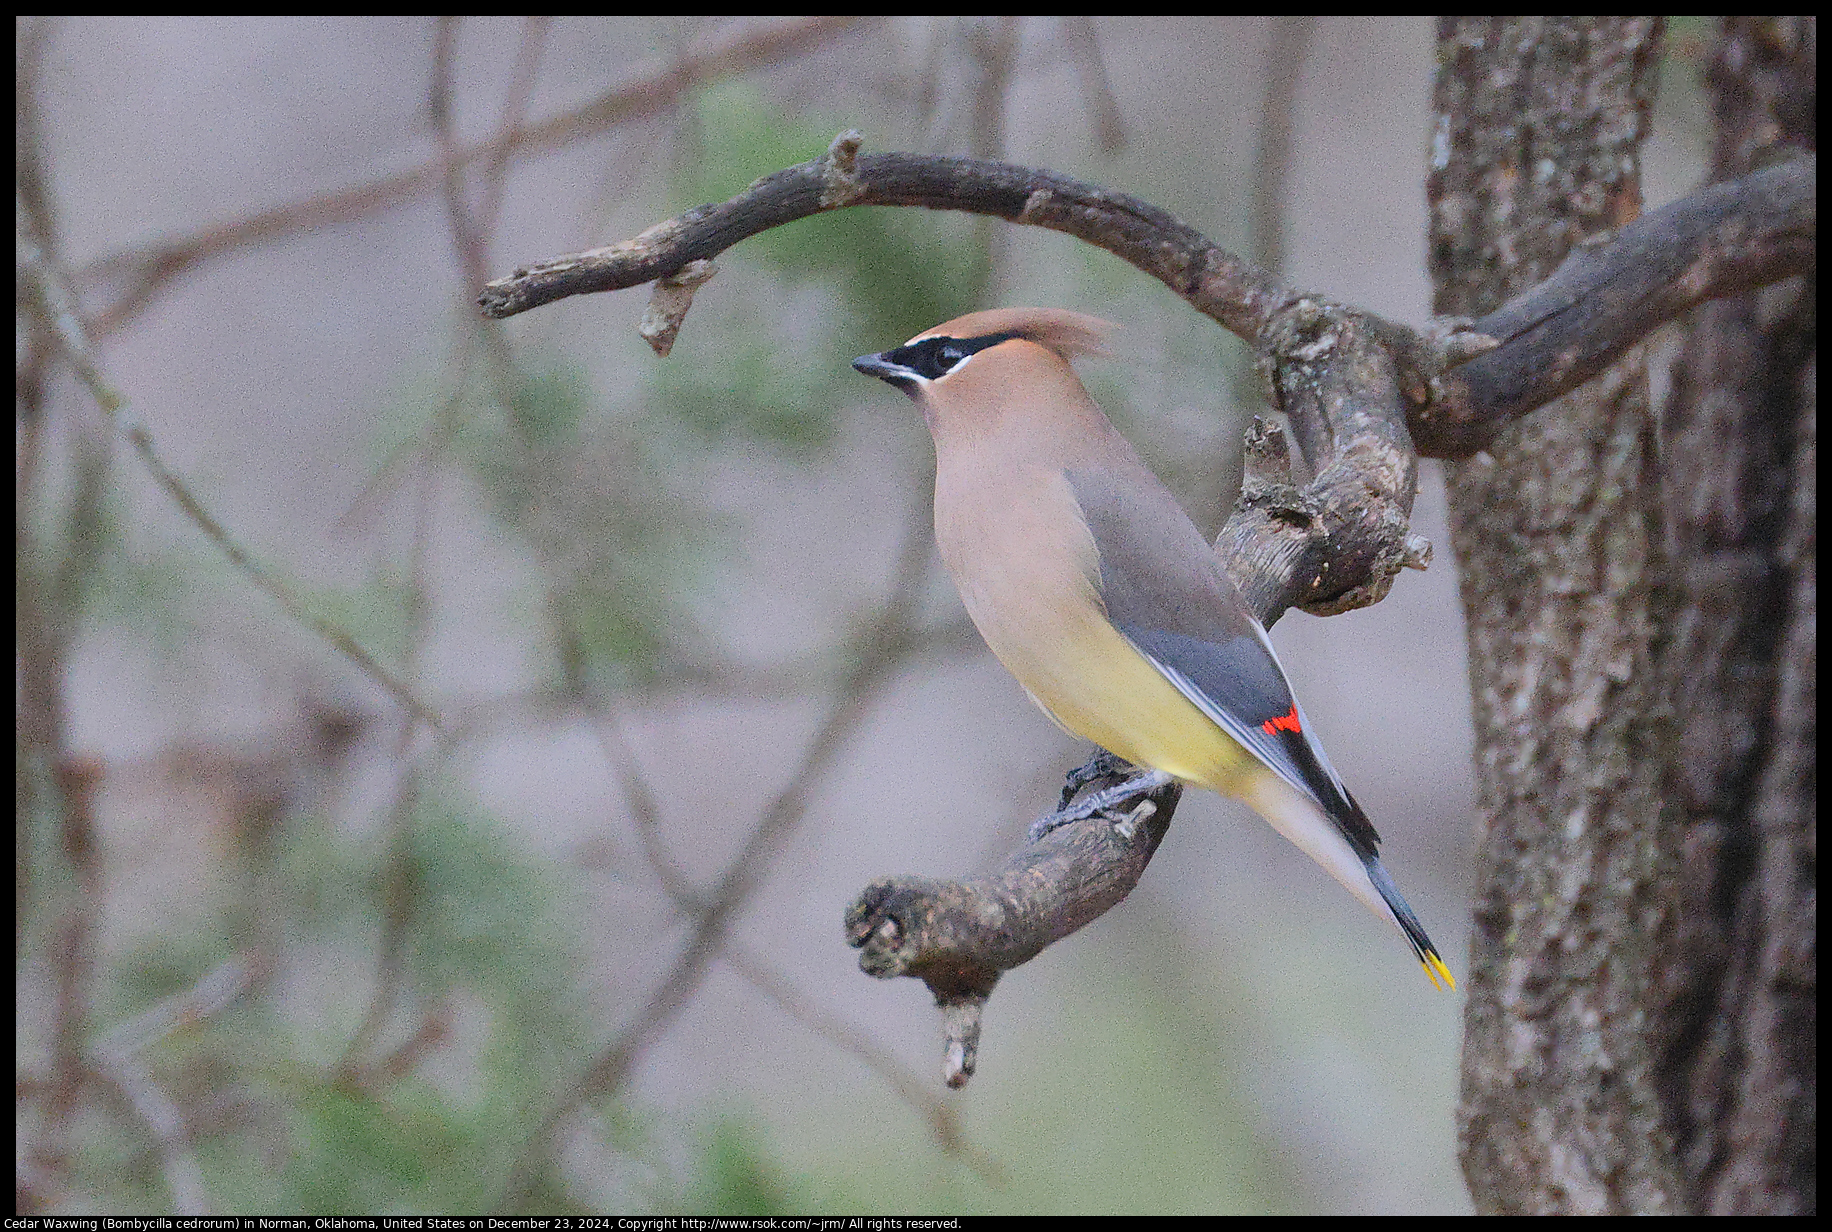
{"points": [[1066, 333]]}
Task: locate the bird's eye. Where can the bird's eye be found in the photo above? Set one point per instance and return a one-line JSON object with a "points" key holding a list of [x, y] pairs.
{"points": [[951, 355]]}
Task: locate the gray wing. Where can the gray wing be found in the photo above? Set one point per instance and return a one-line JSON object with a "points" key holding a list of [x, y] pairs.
{"points": [[1168, 595]]}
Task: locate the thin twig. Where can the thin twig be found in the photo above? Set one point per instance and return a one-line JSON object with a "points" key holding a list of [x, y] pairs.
{"points": [[75, 950], [116, 1060], [434, 1031], [544, 707], [992, 50], [50, 291], [213, 992], [1288, 41], [944, 1125], [873, 655], [732, 49], [645, 809], [1096, 86], [471, 228], [399, 892], [184, 1175], [515, 109]]}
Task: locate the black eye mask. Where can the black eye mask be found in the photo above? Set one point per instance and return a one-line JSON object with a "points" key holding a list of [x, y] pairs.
{"points": [[933, 358]]}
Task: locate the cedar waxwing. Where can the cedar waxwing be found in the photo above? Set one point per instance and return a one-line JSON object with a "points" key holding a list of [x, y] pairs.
{"points": [[1095, 590]]}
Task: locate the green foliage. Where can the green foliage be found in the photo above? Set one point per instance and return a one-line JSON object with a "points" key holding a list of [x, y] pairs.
{"points": [[75, 557], [736, 1176], [588, 493], [361, 1154], [740, 379], [156, 594], [483, 927], [481, 921], [375, 612]]}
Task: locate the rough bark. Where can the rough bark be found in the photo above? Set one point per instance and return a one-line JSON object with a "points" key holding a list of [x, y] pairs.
{"points": [[1738, 1074], [1556, 530]]}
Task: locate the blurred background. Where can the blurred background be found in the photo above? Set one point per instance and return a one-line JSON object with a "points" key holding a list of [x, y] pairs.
{"points": [[282, 946]]}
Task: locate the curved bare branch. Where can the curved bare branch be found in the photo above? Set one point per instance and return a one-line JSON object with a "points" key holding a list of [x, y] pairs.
{"points": [[1216, 282], [1720, 241], [1723, 240]]}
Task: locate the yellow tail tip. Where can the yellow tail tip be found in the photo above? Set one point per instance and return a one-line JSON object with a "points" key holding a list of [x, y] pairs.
{"points": [[1439, 974]]}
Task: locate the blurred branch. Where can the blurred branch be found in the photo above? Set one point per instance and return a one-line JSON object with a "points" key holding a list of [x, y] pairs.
{"points": [[130, 1079], [1084, 50], [74, 952], [735, 48], [471, 228], [116, 1061], [49, 293], [944, 1126], [400, 893], [52, 572], [1289, 39], [991, 44], [434, 1031], [874, 655], [646, 809], [210, 995], [515, 109], [1721, 241]]}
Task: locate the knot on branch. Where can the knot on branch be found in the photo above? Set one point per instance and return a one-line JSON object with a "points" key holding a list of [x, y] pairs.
{"points": [[1326, 527], [1425, 356], [958, 937], [669, 302], [1267, 482], [840, 183], [933, 930], [913, 926]]}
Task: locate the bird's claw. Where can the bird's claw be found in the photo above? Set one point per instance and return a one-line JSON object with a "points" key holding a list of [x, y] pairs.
{"points": [[1110, 803], [1102, 765]]}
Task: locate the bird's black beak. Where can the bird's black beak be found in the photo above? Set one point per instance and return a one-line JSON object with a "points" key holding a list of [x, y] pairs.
{"points": [[887, 369], [883, 368]]}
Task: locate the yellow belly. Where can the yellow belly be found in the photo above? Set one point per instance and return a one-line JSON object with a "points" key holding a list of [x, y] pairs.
{"points": [[1093, 683]]}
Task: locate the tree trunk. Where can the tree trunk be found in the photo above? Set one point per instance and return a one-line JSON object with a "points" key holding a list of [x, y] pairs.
{"points": [[1738, 1071], [1557, 534], [1639, 1034]]}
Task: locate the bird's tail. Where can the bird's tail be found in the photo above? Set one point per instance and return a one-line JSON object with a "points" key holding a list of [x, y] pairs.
{"points": [[1409, 925], [1299, 819]]}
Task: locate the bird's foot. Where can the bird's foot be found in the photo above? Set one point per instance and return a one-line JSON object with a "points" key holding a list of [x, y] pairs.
{"points": [[1121, 803], [1103, 765]]}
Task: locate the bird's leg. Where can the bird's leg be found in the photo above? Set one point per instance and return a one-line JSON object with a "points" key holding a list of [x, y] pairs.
{"points": [[1110, 801], [1102, 765]]}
